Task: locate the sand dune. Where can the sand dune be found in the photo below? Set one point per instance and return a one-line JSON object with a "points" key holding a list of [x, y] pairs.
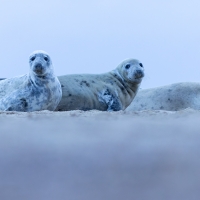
{"points": [[100, 155]]}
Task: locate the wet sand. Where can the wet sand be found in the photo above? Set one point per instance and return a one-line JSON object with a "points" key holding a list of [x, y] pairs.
{"points": [[97, 155]]}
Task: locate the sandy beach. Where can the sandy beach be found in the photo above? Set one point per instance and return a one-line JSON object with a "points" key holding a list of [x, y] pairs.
{"points": [[100, 155]]}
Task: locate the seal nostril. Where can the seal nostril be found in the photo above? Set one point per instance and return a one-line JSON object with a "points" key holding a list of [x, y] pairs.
{"points": [[139, 73], [38, 66], [38, 69]]}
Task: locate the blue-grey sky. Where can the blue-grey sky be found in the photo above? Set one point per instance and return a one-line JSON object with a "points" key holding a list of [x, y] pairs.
{"points": [[95, 36]]}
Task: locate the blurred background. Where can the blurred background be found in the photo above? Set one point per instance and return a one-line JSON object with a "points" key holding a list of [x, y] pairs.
{"points": [[95, 36]]}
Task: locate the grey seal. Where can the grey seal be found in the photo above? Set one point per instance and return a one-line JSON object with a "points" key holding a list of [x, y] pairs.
{"points": [[38, 90], [171, 97], [112, 91]]}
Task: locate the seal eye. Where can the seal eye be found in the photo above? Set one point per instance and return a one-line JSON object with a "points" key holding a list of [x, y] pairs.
{"points": [[45, 58], [33, 58], [141, 65], [127, 66]]}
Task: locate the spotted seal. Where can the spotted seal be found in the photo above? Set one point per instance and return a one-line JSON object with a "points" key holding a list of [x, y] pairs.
{"points": [[112, 91], [38, 90], [171, 97]]}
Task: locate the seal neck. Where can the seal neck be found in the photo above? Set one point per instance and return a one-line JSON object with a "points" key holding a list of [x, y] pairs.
{"points": [[130, 87], [117, 74], [38, 80]]}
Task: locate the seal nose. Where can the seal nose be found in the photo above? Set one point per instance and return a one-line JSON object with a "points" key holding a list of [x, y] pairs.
{"points": [[139, 73], [38, 68]]}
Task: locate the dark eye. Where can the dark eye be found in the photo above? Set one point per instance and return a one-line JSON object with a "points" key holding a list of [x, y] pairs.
{"points": [[127, 66], [45, 58], [33, 58], [141, 65]]}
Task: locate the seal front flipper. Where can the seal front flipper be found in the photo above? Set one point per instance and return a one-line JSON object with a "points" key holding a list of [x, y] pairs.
{"points": [[112, 102]]}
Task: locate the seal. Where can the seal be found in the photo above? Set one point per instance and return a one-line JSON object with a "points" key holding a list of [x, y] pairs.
{"points": [[38, 90], [112, 91], [171, 97]]}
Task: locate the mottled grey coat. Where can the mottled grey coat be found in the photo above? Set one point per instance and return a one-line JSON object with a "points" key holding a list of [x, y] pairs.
{"points": [[37, 90], [172, 97], [112, 91]]}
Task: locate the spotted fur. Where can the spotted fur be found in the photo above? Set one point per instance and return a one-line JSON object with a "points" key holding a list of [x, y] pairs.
{"points": [[38, 90], [112, 91]]}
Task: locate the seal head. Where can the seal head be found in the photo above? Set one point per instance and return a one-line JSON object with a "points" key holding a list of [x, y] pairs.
{"points": [[131, 70], [40, 64]]}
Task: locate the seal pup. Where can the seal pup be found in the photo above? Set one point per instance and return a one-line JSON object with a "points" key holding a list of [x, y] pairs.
{"points": [[37, 90], [112, 91], [172, 97]]}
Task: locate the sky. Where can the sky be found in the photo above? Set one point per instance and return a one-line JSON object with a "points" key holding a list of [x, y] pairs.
{"points": [[95, 36]]}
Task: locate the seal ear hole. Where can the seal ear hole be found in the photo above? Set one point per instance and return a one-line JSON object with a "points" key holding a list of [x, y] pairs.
{"points": [[45, 58], [32, 58], [127, 66], [141, 65]]}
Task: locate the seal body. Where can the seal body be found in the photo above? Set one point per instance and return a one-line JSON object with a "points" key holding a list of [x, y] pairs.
{"points": [[37, 90], [172, 97], [112, 91]]}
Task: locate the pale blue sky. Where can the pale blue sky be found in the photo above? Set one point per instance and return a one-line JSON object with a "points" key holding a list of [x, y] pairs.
{"points": [[95, 36]]}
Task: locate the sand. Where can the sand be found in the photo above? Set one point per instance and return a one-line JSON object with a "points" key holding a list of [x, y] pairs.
{"points": [[98, 155]]}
